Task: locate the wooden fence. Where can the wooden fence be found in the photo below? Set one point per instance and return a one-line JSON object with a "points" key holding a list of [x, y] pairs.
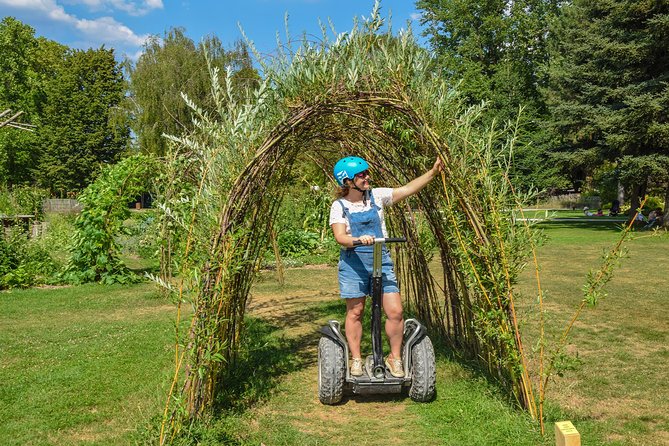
{"points": [[62, 205]]}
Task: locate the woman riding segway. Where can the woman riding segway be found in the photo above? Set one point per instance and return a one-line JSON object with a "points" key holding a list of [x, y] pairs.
{"points": [[356, 219]]}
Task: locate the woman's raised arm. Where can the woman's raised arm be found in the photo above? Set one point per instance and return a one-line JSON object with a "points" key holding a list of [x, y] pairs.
{"points": [[414, 186]]}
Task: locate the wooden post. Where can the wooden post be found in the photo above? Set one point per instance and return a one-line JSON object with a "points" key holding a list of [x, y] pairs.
{"points": [[566, 434], [277, 256]]}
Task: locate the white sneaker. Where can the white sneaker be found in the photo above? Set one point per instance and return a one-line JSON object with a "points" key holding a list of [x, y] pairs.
{"points": [[395, 367], [356, 367]]}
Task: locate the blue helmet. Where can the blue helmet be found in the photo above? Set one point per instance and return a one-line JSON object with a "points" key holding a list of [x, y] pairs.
{"points": [[348, 167]]}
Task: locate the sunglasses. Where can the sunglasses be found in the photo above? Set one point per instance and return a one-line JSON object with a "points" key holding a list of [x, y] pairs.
{"points": [[363, 174]]}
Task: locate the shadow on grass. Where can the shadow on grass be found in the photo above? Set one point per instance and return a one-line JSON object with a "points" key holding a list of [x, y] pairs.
{"points": [[266, 355], [606, 226], [263, 358]]}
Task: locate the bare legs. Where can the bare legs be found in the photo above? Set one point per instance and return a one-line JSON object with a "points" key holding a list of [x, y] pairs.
{"points": [[354, 310], [392, 306]]}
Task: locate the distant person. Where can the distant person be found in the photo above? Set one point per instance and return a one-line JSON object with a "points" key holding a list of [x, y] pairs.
{"points": [[586, 212], [599, 213], [641, 217], [654, 218], [615, 208]]}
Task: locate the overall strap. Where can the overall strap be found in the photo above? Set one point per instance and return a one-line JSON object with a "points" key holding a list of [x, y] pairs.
{"points": [[371, 196], [344, 211]]}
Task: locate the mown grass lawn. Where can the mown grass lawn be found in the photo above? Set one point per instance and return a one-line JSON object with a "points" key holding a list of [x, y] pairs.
{"points": [[82, 365], [617, 388], [91, 364]]}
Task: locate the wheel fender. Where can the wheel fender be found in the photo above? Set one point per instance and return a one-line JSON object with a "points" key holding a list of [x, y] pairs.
{"points": [[330, 333], [414, 332]]}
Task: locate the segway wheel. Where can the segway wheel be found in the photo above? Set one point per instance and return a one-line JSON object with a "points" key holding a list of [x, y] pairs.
{"points": [[423, 371], [331, 371]]}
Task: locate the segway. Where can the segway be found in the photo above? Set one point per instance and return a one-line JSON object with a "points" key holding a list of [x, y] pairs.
{"points": [[334, 377]]}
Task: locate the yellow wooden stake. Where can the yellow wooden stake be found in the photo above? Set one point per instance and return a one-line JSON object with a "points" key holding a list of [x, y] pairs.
{"points": [[566, 434]]}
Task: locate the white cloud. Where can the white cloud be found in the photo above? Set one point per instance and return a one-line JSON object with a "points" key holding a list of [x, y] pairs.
{"points": [[416, 16], [47, 7], [135, 56], [131, 7], [98, 31], [106, 29]]}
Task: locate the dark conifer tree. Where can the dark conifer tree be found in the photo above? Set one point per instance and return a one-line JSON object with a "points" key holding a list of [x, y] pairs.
{"points": [[609, 89]]}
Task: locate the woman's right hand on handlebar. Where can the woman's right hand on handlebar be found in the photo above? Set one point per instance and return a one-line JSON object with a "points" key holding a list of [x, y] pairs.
{"points": [[366, 239]]}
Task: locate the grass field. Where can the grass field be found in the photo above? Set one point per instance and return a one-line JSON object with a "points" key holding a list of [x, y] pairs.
{"points": [[82, 365], [620, 352], [91, 364]]}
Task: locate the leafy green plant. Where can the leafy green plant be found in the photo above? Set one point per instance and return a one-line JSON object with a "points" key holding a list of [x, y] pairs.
{"points": [[23, 262], [141, 234], [56, 237], [297, 242], [24, 200], [95, 250]]}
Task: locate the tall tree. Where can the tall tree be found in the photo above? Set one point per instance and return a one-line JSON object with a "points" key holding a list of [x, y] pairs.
{"points": [[19, 92], [609, 86], [83, 126], [26, 62], [172, 66], [494, 50], [18, 47]]}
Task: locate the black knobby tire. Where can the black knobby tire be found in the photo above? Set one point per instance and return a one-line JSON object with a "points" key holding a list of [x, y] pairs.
{"points": [[331, 371], [423, 371]]}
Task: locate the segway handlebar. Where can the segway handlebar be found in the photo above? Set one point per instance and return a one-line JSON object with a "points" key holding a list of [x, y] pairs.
{"points": [[383, 240]]}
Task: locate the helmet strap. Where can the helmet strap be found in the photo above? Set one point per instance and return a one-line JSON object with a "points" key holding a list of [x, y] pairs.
{"points": [[364, 192]]}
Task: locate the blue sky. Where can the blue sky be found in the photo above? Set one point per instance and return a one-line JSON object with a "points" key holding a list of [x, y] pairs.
{"points": [[125, 24]]}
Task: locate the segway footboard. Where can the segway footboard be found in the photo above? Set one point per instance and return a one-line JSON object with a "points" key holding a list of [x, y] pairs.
{"points": [[335, 380]]}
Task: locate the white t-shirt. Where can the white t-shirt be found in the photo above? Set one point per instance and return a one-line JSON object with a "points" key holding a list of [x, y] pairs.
{"points": [[383, 196]]}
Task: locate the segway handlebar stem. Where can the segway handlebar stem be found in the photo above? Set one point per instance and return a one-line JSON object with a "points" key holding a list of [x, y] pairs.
{"points": [[378, 244]]}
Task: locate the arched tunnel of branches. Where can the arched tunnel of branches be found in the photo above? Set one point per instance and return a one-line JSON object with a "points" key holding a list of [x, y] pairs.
{"points": [[374, 95]]}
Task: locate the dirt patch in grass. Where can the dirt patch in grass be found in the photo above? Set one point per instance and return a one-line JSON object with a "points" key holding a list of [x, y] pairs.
{"points": [[52, 287], [291, 307], [77, 435]]}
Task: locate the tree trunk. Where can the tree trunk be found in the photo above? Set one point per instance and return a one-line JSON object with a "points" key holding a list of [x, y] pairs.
{"points": [[665, 214], [637, 195], [634, 200]]}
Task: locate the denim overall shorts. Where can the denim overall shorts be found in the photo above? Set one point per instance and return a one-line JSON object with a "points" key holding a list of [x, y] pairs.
{"points": [[355, 264]]}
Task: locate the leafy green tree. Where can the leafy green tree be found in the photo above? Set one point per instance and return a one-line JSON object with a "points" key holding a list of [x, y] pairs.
{"points": [[83, 125], [24, 64], [172, 66], [18, 47], [494, 50], [608, 91]]}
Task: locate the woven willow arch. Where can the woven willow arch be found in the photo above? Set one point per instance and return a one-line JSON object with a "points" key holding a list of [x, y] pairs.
{"points": [[374, 95]]}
